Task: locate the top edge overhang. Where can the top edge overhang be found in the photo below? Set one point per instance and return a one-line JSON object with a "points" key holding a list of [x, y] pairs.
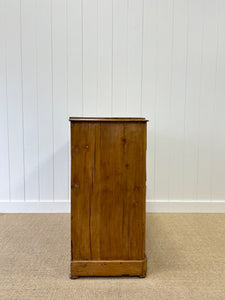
{"points": [[109, 119]]}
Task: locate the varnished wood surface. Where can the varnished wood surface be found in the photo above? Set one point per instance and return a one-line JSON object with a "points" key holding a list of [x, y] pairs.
{"points": [[109, 268], [107, 119], [108, 191]]}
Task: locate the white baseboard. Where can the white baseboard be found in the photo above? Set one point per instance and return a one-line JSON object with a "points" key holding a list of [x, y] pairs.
{"points": [[191, 206], [35, 207], [152, 206]]}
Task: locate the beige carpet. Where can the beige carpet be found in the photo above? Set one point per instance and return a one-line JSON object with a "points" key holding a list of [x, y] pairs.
{"points": [[186, 260]]}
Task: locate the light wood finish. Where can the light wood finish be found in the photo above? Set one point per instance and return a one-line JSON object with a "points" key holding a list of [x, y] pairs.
{"points": [[108, 178], [108, 268]]}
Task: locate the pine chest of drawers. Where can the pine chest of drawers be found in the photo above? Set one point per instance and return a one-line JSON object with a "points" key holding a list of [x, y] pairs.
{"points": [[108, 182]]}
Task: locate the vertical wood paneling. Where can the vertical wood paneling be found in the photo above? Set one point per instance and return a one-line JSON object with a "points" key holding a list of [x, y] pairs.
{"points": [[134, 56], [29, 86], [75, 63], [15, 99], [44, 99], [160, 59], [104, 97], [218, 113], [120, 19], [148, 101], [191, 111], [206, 101], [90, 55], [4, 146], [60, 101], [177, 100], [163, 142]]}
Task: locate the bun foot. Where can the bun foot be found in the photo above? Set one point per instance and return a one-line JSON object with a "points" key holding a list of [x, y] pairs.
{"points": [[74, 277]]}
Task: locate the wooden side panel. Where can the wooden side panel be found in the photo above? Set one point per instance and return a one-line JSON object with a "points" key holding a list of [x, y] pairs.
{"points": [[135, 171], [96, 200], [111, 181], [82, 155], [118, 204], [108, 190]]}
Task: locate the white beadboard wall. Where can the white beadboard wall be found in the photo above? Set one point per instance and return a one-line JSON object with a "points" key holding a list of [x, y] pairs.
{"points": [[161, 59]]}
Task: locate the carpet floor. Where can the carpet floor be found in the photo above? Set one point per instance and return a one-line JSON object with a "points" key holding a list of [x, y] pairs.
{"points": [[186, 260]]}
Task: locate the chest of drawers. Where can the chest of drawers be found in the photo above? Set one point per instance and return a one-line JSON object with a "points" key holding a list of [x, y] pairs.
{"points": [[108, 182]]}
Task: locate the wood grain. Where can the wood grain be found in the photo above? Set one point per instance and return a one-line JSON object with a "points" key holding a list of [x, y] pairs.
{"points": [[109, 268], [82, 153], [107, 192]]}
